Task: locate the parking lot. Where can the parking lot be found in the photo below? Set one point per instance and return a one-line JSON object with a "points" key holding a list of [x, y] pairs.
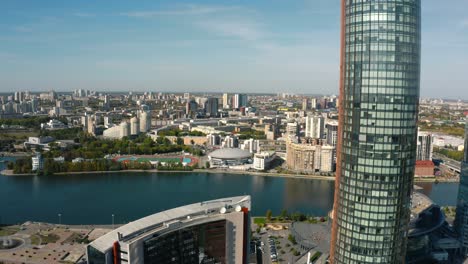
{"points": [[292, 242]]}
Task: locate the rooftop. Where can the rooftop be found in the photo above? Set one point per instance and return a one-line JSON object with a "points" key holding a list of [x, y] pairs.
{"points": [[230, 153], [147, 224]]}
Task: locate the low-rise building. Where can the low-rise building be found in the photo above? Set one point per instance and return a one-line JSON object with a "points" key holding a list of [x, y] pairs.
{"points": [[37, 162], [424, 168], [263, 160]]}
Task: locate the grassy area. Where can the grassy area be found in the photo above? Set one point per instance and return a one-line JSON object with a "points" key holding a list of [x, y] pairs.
{"points": [[451, 154], [455, 130], [315, 256], [260, 220], [44, 239], [8, 231], [35, 239], [17, 135]]}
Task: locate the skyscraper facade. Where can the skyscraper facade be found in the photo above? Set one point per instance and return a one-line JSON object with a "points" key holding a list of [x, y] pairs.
{"points": [[461, 218], [315, 126], [211, 107], [379, 95], [239, 100], [424, 146]]}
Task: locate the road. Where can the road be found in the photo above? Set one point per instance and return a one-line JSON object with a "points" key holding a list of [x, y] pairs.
{"points": [[448, 162]]}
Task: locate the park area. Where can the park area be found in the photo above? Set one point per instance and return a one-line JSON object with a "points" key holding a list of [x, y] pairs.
{"points": [[185, 160]]}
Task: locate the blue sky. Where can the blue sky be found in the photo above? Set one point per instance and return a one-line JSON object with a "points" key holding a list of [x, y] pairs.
{"points": [[246, 46]]}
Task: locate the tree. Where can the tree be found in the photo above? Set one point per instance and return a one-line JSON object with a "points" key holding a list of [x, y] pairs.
{"points": [[284, 214], [268, 214]]}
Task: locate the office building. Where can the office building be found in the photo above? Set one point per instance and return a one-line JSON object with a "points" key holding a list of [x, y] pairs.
{"points": [[379, 95], [216, 231], [239, 100], [315, 126], [424, 146], [461, 218], [191, 107], [211, 107]]}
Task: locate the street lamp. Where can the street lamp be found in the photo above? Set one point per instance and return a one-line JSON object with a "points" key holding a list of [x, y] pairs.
{"points": [[60, 218], [112, 221]]}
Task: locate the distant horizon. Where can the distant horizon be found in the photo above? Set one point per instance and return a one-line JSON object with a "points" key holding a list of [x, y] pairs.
{"points": [[209, 92]]}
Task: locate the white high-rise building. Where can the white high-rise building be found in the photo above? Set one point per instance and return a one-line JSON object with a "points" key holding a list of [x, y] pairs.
{"points": [[313, 103], [145, 121], [292, 129], [134, 126], [225, 100], [332, 133], [251, 145], [124, 129], [424, 146], [231, 142], [315, 126]]}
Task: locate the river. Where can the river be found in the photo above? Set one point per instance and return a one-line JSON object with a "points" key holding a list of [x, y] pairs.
{"points": [[93, 198]]}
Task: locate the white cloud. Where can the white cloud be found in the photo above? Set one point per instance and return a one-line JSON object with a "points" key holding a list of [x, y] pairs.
{"points": [[184, 10]]}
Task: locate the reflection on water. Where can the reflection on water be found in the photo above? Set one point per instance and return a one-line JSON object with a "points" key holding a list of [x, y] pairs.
{"points": [[92, 199], [308, 193]]}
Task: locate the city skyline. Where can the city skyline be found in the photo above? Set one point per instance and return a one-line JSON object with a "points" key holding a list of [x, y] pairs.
{"points": [[180, 46]]}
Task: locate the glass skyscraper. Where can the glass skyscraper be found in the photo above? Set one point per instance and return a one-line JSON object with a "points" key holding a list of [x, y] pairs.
{"points": [[461, 218], [379, 95]]}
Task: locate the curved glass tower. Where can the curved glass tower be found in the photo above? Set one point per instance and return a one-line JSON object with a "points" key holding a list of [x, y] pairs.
{"points": [[379, 96]]}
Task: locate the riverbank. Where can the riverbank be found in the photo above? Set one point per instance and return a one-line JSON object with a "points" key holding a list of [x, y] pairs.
{"points": [[10, 173]]}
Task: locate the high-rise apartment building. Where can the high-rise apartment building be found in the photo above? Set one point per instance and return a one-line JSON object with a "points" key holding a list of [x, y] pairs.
{"points": [[332, 133], [305, 104], [379, 95], [315, 126], [225, 100], [461, 217], [424, 146]]}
